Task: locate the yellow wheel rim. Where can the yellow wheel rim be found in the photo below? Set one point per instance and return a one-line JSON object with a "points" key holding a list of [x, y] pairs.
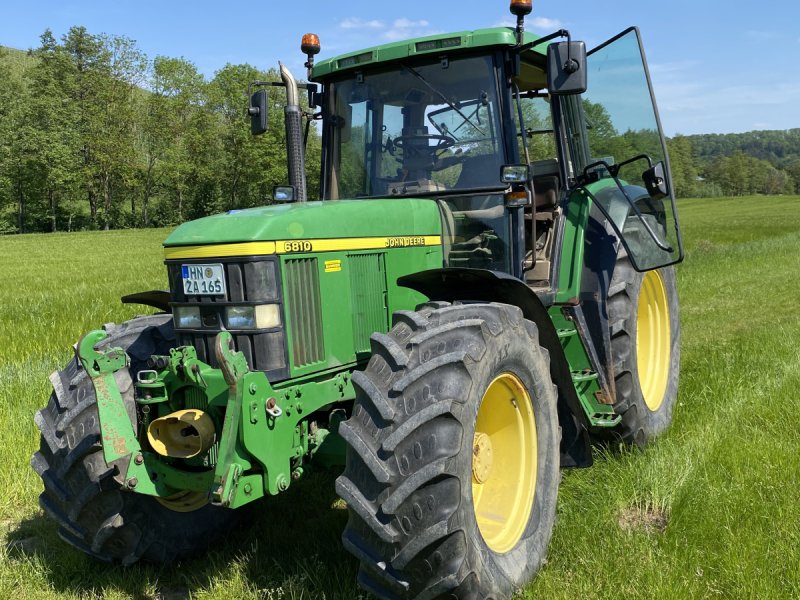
{"points": [[186, 501], [653, 343], [504, 462]]}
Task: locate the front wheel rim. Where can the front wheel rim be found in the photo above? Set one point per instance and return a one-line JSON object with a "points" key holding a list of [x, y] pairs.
{"points": [[504, 463], [653, 340]]}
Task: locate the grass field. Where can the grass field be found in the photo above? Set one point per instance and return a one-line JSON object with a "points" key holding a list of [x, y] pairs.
{"points": [[711, 510]]}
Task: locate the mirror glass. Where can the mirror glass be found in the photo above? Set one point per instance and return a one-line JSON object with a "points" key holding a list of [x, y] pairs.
{"points": [[284, 193]]}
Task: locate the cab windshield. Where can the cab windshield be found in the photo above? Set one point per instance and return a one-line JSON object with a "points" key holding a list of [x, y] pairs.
{"points": [[415, 129]]}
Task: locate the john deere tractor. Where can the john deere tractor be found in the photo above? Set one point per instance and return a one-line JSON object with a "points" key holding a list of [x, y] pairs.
{"points": [[484, 289]]}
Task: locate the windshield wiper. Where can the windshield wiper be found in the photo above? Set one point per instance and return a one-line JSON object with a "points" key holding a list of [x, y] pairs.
{"points": [[419, 76]]}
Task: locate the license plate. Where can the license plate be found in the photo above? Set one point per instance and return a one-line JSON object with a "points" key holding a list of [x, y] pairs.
{"points": [[203, 280]]}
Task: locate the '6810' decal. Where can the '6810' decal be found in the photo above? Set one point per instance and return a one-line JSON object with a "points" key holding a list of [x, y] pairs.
{"points": [[297, 246]]}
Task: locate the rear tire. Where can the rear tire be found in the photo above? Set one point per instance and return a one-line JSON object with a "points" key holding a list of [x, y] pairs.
{"points": [[83, 494], [422, 488], [644, 318]]}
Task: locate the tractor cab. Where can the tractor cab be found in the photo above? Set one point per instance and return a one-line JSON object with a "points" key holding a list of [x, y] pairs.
{"points": [[493, 126]]}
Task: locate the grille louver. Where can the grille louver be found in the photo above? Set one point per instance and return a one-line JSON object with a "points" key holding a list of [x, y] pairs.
{"points": [[368, 283], [303, 306]]}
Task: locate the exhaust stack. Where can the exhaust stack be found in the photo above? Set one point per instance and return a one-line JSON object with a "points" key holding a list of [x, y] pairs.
{"points": [[294, 136]]}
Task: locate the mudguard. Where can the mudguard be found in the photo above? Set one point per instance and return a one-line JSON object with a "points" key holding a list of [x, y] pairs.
{"points": [[450, 284], [156, 298]]}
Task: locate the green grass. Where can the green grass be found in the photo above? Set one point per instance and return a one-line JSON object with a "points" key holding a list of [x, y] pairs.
{"points": [[710, 510]]}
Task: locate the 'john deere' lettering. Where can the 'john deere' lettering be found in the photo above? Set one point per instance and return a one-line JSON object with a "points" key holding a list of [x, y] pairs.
{"points": [[404, 242]]}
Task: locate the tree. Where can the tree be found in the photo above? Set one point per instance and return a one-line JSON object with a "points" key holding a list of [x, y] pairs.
{"points": [[793, 171], [683, 165], [250, 166], [49, 132], [11, 201], [103, 75], [177, 93]]}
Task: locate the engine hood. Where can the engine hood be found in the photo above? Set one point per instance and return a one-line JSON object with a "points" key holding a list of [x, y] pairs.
{"points": [[331, 219]]}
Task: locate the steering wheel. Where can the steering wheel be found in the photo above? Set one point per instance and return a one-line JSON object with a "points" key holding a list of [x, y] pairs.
{"points": [[445, 141]]}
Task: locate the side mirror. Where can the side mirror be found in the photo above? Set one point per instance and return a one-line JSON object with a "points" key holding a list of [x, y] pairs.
{"points": [[566, 68], [283, 193], [258, 112], [515, 173], [314, 96], [656, 182]]}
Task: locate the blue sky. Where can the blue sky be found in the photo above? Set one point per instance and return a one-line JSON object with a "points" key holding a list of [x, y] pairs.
{"points": [[717, 66]]}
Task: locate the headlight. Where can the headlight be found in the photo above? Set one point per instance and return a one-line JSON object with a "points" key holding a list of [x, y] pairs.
{"points": [[262, 316], [187, 317]]}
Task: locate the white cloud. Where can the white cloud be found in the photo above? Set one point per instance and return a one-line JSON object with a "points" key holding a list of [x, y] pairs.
{"points": [[356, 23], [408, 23], [406, 28], [691, 103], [507, 22], [543, 23]]}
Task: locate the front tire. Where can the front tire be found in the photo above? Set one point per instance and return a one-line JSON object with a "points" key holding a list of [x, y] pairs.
{"points": [[85, 496], [452, 461]]}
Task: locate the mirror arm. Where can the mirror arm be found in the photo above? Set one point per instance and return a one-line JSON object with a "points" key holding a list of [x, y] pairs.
{"points": [[557, 34], [302, 86], [614, 169], [618, 166], [659, 243], [570, 66]]}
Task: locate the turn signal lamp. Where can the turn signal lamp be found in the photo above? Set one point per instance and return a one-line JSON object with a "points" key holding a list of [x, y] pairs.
{"points": [[520, 8]]}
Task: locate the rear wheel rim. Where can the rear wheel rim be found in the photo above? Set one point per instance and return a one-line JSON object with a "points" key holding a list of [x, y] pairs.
{"points": [[653, 340], [504, 463]]}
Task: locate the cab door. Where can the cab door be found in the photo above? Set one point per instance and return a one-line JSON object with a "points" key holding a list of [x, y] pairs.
{"points": [[625, 164]]}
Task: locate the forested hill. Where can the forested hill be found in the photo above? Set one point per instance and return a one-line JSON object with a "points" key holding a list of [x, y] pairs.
{"points": [[17, 61], [737, 164], [778, 147]]}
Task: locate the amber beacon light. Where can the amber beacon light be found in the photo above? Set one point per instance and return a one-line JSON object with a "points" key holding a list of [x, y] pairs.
{"points": [[310, 47], [310, 44], [520, 8]]}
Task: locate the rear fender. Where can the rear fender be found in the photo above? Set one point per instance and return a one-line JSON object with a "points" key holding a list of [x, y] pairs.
{"points": [[451, 284]]}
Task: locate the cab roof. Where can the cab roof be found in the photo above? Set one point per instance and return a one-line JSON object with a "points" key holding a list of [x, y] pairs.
{"points": [[432, 44]]}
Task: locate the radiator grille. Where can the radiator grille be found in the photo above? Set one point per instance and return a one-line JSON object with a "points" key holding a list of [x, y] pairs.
{"points": [[249, 280], [304, 309], [368, 283]]}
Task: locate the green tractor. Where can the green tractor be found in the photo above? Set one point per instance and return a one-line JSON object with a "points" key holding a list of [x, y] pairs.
{"points": [[485, 289]]}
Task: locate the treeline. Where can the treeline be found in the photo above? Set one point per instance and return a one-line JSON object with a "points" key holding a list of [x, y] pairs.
{"points": [[736, 164], [94, 135]]}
